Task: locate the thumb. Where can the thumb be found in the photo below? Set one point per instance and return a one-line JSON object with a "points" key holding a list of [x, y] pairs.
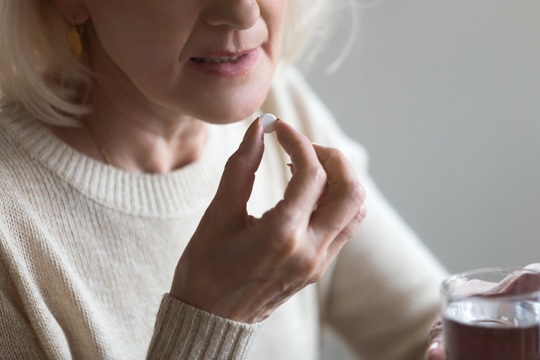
{"points": [[239, 174]]}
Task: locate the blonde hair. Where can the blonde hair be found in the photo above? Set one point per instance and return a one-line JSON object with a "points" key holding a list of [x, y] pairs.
{"points": [[38, 74], [307, 25]]}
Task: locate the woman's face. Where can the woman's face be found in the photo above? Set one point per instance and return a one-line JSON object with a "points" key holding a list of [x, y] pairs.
{"points": [[209, 59]]}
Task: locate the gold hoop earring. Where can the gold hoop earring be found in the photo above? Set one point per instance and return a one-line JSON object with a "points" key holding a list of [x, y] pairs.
{"points": [[74, 40]]}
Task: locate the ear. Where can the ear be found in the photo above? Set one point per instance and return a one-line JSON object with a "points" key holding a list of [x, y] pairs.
{"points": [[74, 11]]}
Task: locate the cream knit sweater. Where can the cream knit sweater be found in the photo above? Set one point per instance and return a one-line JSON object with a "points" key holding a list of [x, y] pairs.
{"points": [[88, 251]]}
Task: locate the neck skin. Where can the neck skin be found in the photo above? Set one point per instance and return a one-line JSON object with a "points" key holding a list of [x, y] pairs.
{"points": [[138, 135], [136, 142]]}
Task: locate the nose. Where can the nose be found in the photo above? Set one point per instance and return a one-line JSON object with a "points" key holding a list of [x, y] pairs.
{"points": [[238, 14]]}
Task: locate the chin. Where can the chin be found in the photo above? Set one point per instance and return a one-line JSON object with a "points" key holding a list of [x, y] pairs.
{"points": [[229, 118], [223, 100], [230, 109]]}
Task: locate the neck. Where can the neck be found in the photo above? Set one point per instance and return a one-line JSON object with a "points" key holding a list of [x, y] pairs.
{"points": [[140, 144], [144, 138]]}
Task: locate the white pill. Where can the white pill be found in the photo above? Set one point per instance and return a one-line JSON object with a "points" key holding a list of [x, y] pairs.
{"points": [[268, 122]]}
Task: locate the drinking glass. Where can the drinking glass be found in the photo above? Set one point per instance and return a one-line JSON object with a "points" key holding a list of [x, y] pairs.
{"points": [[492, 314]]}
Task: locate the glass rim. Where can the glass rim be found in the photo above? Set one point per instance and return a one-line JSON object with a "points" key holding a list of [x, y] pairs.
{"points": [[508, 269]]}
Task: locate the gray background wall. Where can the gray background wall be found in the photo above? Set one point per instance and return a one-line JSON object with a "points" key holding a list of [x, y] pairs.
{"points": [[445, 96]]}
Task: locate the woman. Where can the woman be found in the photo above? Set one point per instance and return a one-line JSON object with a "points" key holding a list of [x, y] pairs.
{"points": [[118, 118]]}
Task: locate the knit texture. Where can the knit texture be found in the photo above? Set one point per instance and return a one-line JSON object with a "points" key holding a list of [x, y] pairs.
{"points": [[87, 252]]}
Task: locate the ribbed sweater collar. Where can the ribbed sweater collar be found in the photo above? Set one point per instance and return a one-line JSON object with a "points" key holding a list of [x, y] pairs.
{"points": [[169, 195]]}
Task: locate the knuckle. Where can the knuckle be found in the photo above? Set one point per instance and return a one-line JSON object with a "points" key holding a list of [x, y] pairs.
{"points": [[311, 268], [335, 227], [287, 246], [348, 232], [361, 191], [286, 241], [335, 154], [318, 174], [359, 216], [356, 192], [316, 276], [351, 228], [362, 213]]}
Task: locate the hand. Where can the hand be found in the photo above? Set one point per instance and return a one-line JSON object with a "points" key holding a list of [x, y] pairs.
{"points": [[241, 267], [508, 285]]}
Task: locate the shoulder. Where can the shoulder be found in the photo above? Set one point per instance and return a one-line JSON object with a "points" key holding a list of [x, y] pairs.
{"points": [[18, 179], [12, 159]]}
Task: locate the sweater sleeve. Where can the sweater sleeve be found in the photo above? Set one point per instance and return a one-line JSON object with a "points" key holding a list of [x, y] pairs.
{"points": [[185, 332], [381, 295]]}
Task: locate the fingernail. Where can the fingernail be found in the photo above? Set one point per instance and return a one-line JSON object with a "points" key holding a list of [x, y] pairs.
{"points": [[434, 345]]}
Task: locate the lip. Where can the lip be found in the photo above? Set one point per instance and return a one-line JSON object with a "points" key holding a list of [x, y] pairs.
{"points": [[227, 64]]}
